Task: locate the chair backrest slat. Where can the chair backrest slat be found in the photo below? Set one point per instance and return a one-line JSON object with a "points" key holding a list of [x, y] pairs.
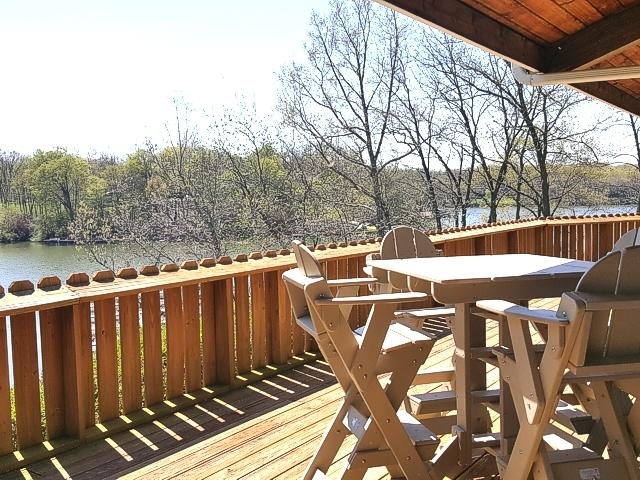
{"points": [[629, 239], [406, 242], [403, 243]]}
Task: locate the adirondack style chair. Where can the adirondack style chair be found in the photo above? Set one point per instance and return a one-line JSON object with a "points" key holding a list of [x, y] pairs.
{"points": [[592, 345], [406, 243], [630, 238], [374, 366]]}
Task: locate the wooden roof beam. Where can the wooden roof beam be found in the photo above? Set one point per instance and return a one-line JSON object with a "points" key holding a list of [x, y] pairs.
{"points": [[596, 42]]}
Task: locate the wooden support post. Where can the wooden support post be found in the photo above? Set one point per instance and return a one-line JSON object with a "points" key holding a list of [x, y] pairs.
{"points": [[130, 351], [175, 341], [208, 334], [6, 443], [82, 315], [51, 337], [191, 312], [106, 359], [26, 379], [243, 330], [258, 318], [152, 337], [223, 318], [279, 319], [272, 315], [77, 414]]}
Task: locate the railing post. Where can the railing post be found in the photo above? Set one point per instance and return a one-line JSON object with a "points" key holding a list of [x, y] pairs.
{"points": [[76, 398], [223, 318], [6, 444], [279, 320]]}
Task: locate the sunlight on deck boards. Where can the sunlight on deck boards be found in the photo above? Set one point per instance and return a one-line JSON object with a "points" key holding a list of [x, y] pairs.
{"points": [[267, 431]]}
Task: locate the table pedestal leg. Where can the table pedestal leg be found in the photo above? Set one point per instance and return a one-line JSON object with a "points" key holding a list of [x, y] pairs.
{"points": [[469, 331]]}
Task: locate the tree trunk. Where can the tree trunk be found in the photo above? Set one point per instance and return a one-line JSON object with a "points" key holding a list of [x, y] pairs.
{"points": [[383, 216]]}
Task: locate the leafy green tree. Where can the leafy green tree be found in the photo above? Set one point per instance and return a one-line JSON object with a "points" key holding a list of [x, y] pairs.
{"points": [[58, 177]]}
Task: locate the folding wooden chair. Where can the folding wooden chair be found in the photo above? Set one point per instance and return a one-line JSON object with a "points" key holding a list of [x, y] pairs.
{"points": [[406, 243], [374, 367], [592, 345]]}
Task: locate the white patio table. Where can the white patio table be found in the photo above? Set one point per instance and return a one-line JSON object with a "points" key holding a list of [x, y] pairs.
{"points": [[462, 281]]}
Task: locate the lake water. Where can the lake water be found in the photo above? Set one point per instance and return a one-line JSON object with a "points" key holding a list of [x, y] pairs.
{"points": [[32, 261]]}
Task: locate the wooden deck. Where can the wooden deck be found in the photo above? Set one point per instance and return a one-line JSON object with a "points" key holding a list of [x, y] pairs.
{"points": [[266, 430]]}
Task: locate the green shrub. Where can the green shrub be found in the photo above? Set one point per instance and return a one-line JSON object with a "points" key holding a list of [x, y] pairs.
{"points": [[15, 226], [51, 225]]}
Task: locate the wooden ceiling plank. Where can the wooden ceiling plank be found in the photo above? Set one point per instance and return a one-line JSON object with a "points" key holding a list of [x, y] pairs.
{"points": [[518, 18], [554, 14], [600, 40], [606, 7], [584, 11]]}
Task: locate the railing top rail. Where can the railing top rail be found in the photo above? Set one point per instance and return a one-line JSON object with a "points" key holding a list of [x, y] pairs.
{"points": [[105, 285]]}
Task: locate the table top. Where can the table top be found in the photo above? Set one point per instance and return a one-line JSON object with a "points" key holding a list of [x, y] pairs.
{"points": [[485, 268]]}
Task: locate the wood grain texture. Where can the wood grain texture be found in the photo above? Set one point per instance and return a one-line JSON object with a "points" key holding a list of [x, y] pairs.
{"points": [[6, 443], [208, 334], [258, 321], [191, 310], [82, 322], [603, 38], [76, 390], [106, 359], [278, 318], [26, 379], [152, 342], [51, 335], [175, 342], [243, 327], [130, 351], [223, 311]]}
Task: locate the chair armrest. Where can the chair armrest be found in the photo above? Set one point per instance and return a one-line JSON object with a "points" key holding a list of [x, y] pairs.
{"points": [[373, 299], [508, 309], [351, 282], [373, 256]]}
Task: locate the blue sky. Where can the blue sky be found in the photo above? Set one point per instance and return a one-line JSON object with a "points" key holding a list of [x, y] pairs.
{"points": [[99, 76]]}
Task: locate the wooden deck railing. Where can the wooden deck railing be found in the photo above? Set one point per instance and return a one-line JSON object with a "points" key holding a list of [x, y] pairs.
{"points": [[104, 353]]}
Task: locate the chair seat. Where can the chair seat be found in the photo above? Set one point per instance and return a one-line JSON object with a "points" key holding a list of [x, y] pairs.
{"points": [[398, 336]]}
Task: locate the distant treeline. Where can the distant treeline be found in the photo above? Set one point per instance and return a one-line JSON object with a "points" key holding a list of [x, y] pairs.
{"points": [[387, 122]]}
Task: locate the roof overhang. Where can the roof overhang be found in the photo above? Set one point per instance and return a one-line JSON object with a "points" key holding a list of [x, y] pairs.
{"points": [[559, 40]]}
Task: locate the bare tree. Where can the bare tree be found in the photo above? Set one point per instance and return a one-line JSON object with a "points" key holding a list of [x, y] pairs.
{"points": [[634, 124], [342, 98]]}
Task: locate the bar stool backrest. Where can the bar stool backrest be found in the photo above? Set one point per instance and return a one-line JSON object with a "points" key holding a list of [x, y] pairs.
{"points": [[306, 284], [402, 243], [406, 242], [609, 335], [629, 239]]}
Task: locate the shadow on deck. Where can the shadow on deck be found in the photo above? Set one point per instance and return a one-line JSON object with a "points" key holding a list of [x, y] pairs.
{"points": [[266, 430]]}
